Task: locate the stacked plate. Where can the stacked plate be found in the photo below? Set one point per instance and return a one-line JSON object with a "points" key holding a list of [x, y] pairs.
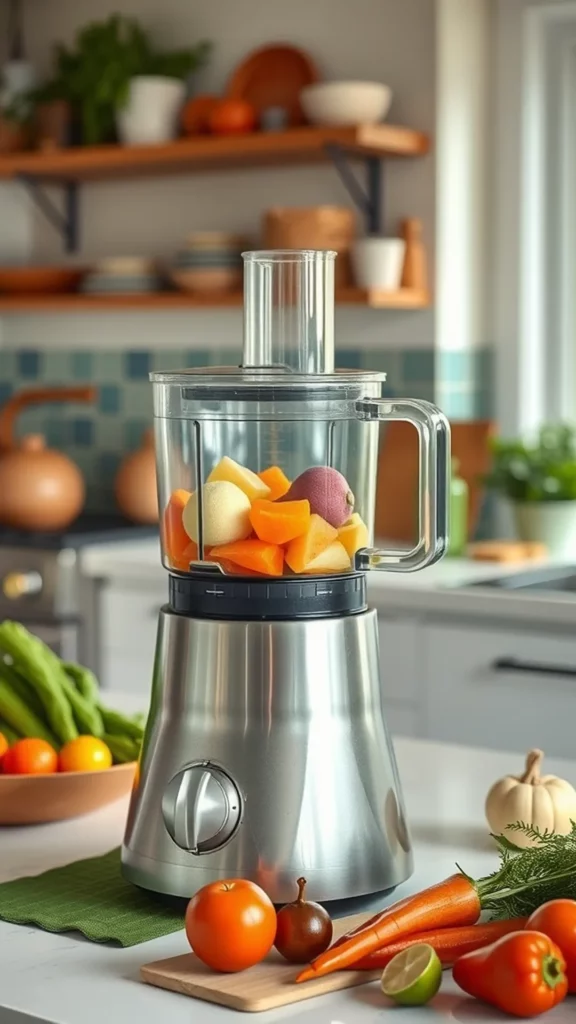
{"points": [[122, 275], [210, 261]]}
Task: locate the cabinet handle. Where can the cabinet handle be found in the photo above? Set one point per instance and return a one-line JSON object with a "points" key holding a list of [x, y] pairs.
{"points": [[514, 665]]}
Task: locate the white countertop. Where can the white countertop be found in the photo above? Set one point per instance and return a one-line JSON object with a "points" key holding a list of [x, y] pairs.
{"points": [[439, 591], [65, 980]]}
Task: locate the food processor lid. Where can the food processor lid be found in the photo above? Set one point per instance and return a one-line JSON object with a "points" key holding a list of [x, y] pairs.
{"points": [[288, 333]]}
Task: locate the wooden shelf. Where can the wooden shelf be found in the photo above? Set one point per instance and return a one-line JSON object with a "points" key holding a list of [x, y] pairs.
{"points": [[172, 301], [297, 146]]}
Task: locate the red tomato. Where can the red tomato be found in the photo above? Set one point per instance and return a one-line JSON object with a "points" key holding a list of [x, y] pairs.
{"points": [[3, 745], [232, 117], [196, 112], [557, 919], [231, 925], [30, 757]]}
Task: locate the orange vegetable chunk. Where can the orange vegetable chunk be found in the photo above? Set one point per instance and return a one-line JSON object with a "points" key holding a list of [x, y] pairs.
{"points": [[304, 549], [276, 480], [279, 522], [175, 538], [253, 554]]}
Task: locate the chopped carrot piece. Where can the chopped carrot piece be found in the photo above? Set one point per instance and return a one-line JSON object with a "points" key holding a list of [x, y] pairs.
{"points": [[279, 521], [175, 539], [304, 549], [276, 480], [256, 555]]}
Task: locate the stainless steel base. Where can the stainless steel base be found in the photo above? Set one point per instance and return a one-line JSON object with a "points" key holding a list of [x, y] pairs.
{"points": [[291, 769]]}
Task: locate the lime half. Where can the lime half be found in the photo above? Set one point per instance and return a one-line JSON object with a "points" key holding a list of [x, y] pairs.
{"points": [[414, 976]]}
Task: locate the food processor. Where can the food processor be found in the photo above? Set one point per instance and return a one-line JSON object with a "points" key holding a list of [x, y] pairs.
{"points": [[266, 754]]}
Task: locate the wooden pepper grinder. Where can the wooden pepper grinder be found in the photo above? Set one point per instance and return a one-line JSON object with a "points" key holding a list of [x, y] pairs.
{"points": [[415, 272]]}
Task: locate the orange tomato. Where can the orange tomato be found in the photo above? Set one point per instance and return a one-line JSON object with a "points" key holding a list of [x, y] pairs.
{"points": [[557, 920], [30, 757], [3, 745], [196, 112], [232, 117], [85, 754], [231, 925]]}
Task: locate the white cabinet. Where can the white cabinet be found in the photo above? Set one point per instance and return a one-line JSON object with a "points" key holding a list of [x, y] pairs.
{"points": [[129, 620], [505, 689], [401, 673]]}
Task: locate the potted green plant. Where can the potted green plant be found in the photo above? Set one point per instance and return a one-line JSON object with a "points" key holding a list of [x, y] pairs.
{"points": [[95, 75], [539, 480]]}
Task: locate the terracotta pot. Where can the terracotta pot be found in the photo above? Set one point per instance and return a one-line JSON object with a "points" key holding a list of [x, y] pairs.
{"points": [[13, 136], [40, 489], [53, 125], [314, 227], [135, 484]]}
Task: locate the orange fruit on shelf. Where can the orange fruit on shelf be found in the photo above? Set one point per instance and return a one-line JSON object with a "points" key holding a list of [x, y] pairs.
{"points": [[195, 116], [232, 117]]}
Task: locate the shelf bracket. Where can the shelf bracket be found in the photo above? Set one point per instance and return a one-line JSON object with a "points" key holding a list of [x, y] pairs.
{"points": [[65, 221], [370, 199]]}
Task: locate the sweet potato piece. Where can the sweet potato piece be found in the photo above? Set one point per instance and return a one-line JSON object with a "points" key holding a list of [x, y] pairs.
{"points": [[174, 536], [276, 480], [256, 555], [279, 521]]}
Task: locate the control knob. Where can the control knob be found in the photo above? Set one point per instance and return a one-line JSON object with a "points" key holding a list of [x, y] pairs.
{"points": [[202, 808]]}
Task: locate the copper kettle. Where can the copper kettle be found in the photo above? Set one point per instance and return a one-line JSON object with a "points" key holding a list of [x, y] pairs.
{"points": [[40, 488]]}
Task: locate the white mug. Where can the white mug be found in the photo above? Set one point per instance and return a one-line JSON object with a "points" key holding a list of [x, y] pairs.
{"points": [[378, 263]]}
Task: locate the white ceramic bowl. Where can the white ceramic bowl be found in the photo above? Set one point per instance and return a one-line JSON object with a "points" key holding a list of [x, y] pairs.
{"points": [[346, 103]]}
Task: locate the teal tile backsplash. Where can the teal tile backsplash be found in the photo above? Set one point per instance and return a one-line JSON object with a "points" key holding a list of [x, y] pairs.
{"points": [[98, 436]]}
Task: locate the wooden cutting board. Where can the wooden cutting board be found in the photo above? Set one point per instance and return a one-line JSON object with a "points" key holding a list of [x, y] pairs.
{"points": [[264, 987]]}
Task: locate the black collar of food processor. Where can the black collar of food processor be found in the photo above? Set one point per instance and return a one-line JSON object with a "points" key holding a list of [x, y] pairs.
{"points": [[216, 596]]}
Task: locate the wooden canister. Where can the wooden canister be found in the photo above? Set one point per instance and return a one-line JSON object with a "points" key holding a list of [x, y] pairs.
{"points": [[313, 227]]}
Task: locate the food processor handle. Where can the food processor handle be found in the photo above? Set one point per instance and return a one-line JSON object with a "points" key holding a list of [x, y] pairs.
{"points": [[434, 478]]}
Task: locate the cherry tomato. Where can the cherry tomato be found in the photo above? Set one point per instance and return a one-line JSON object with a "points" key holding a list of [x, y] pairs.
{"points": [[231, 925], [196, 112], [85, 754], [557, 919], [232, 117], [30, 757], [3, 745]]}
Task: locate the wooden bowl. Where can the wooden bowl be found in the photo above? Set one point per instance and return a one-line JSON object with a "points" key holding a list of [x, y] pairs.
{"points": [[207, 280], [37, 799], [39, 280]]}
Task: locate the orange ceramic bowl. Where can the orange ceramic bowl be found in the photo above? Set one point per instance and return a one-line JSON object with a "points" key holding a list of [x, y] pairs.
{"points": [[39, 280], [36, 799]]}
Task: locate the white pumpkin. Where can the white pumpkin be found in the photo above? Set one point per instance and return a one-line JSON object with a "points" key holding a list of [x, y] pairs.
{"points": [[544, 801]]}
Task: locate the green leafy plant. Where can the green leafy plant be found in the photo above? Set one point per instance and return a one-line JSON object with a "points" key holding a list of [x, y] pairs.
{"points": [[94, 74], [544, 470]]}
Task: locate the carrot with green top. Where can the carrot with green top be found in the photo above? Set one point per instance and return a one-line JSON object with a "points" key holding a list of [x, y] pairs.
{"points": [[525, 880], [449, 943]]}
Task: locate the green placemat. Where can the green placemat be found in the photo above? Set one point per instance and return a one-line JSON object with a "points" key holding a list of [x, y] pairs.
{"points": [[91, 897]]}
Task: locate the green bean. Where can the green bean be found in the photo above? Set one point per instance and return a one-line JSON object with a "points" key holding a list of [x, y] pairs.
{"points": [[9, 733], [122, 748], [121, 725], [35, 662], [19, 716], [87, 717], [84, 680], [22, 687]]}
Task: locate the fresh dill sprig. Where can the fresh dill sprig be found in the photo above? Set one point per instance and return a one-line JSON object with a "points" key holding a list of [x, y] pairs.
{"points": [[527, 878]]}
